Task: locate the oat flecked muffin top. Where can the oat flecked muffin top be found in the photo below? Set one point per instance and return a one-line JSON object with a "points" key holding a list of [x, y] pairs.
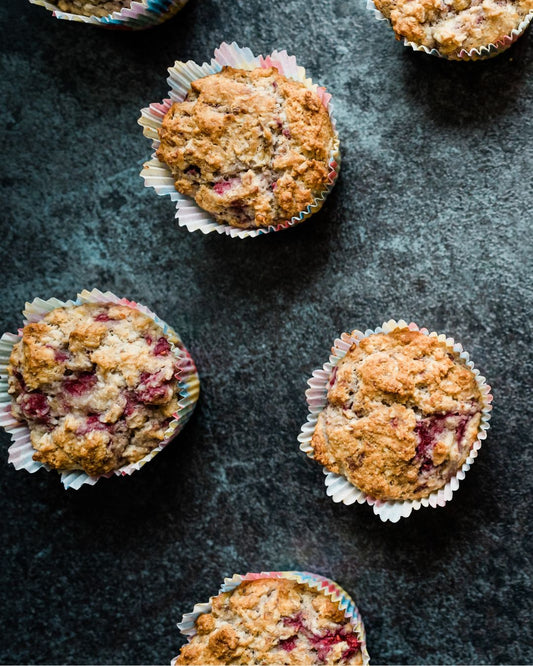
{"points": [[272, 621], [402, 414], [251, 147], [99, 8], [96, 385], [453, 25]]}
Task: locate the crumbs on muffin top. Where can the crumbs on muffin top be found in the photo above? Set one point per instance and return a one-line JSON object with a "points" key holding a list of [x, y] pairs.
{"points": [[98, 8]]}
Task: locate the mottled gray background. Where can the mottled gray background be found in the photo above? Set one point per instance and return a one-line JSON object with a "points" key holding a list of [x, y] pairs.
{"points": [[430, 220]]}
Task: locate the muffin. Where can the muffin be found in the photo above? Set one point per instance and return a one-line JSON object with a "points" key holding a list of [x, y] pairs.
{"points": [[98, 385], [361, 428], [402, 414], [98, 8], [245, 145], [250, 146], [455, 29], [270, 620], [115, 14]]}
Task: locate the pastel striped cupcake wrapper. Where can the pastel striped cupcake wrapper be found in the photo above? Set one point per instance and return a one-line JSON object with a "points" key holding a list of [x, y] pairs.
{"points": [[140, 15], [156, 174], [21, 451], [481, 53], [337, 486], [325, 585]]}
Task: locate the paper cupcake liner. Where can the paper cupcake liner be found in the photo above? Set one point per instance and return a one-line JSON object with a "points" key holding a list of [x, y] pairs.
{"points": [[156, 174], [481, 53], [141, 14], [325, 585], [338, 487], [21, 451]]}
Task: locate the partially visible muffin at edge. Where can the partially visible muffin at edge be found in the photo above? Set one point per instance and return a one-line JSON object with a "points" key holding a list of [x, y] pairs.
{"points": [[251, 147], [96, 385], [453, 26], [99, 8], [273, 621], [401, 416]]}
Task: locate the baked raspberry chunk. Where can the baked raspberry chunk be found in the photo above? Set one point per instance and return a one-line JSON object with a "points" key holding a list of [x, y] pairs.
{"points": [[93, 388], [34, 406], [273, 621], [162, 347], [401, 417]]}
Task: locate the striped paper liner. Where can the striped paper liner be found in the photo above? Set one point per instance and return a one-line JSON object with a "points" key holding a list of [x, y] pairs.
{"points": [[21, 451], [480, 53], [157, 174], [338, 487]]}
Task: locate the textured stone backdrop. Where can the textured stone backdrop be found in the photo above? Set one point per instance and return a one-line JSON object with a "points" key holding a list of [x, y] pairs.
{"points": [[431, 221]]}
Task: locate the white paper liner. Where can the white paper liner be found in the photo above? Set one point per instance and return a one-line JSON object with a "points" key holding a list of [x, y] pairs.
{"points": [[481, 53], [325, 585], [156, 174], [141, 14], [338, 487], [21, 451]]}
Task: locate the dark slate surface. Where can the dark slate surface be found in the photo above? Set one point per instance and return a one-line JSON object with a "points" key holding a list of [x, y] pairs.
{"points": [[430, 220]]}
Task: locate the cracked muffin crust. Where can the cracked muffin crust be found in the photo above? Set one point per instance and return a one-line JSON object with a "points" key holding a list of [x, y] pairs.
{"points": [[251, 147], [401, 416], [273, 621], [99, 8], [451, 26], [96, 385]]}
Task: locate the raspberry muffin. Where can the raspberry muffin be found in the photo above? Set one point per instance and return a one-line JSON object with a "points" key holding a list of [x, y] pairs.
{"points": [[98, 8], [113, 14], [252, 147], [273, 621], [96, 385], [403, 412], [455, 28]]}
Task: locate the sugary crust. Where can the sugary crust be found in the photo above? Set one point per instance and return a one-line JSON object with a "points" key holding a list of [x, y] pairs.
{"points": [[402, 414], [272, 621], [99, 8], [454, 25], [251, 147], [96, 385]]}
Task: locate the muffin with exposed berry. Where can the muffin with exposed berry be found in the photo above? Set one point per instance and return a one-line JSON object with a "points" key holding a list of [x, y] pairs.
{"points": [[403, 412], [270, 620], [97, 385], [460, 29], [252, 147]]}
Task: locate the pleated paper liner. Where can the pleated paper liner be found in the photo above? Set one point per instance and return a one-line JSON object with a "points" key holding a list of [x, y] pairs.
{"points": [[325, 585], [480, 53], [156, 174], [337, 486], [140, 15], [21, 451]]}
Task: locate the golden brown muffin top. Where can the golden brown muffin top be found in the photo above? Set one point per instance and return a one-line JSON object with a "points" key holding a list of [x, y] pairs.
{"points": [[454, 25], [99, 8], [251, 147], [402, 414], [272, 621], [96, 385]]}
